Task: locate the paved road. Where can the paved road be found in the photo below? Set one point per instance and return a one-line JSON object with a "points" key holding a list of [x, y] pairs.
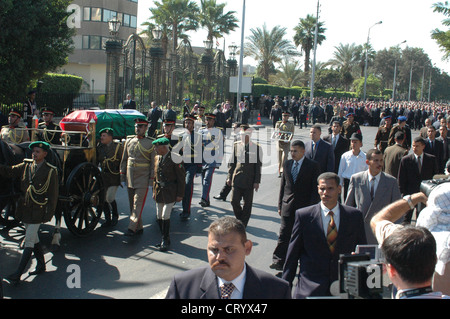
{"points": [[114, 266]]}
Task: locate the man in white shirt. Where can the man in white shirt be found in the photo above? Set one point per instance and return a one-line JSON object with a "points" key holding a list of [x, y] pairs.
{"points": [[352, 162]]}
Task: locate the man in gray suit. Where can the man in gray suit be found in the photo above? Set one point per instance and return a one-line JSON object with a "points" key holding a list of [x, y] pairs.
{"points": [[371, 190]]}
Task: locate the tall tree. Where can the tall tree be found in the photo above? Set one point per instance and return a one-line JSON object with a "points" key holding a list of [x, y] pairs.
{"points": [[180, 15], [213, 18], [443, 37], [289, 74], [267, 48], [305, 34], [34, 40]]}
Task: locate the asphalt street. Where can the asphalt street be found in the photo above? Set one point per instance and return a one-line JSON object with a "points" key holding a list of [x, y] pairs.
{"points": [[107, 264]]}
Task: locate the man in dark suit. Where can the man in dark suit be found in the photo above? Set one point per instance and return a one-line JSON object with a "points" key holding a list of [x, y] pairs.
{"points": [[153, 117], [339, 142], [228, 275], [298, 189], [319, 150], [321, 233], [443, 131], [415, 168], [129, 103], [435, 147]]}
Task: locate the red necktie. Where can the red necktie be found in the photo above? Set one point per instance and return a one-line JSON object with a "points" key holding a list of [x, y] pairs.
{"points": [[331, 233]]}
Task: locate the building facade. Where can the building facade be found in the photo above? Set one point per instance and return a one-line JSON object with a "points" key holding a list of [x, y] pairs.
{"points": [[90, 18]]}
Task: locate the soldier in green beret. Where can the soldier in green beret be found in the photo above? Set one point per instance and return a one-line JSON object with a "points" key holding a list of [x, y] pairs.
{"points": [[39, 187], [109, 155], [168, 187]]}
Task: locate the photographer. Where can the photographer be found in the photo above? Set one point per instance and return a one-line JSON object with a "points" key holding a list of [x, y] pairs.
{"points": [[406, 246]]}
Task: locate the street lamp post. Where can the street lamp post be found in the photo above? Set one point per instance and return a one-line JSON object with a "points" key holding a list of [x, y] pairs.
{"points": [[367, 58], [207, 62], [395, 74], [113, 52]]}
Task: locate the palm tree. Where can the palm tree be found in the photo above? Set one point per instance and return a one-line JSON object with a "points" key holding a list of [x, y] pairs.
{"points": [[289, 75], [215, 21], [180, 15], [304, 36], [345, 58], [267, 48], [442, 37]]}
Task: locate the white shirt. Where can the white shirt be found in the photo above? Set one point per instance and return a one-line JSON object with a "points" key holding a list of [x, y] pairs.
{"points": [[238, 282], [351, 164], [326, 216]]}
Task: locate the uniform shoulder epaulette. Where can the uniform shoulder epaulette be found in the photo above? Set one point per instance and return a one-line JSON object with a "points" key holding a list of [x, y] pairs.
{"points": [[50, 165], [5, 126], [130, 136], [150, 138], [28, 160]]}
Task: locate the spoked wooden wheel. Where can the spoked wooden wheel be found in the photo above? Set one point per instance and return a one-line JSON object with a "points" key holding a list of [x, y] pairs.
{"points": [[84, 199]]}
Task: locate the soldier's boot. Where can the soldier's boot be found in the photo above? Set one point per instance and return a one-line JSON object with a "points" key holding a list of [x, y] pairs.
{"points": [[39, 255], [107, 212], [26, 255], [115, 214], [165, 242]]}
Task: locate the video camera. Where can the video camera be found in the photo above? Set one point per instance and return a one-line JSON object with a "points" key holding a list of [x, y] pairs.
{"points": [[427, 186], [361, 275]]}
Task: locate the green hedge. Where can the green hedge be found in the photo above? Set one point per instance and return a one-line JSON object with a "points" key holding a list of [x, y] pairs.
{"points": [[297, 91]]}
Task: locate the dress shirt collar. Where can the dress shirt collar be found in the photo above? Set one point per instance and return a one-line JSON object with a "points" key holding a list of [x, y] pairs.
{"points": [[326, 216], [238, 282]]}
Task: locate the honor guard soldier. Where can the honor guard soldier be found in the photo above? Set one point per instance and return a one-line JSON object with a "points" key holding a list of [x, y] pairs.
{"points": [[168, 187], [283, 146], [39, 187], [200, 121], [137, 169], [212, 142], [16, 131], [350, 126], [401, 126], [46, 129], [192, 159], [167, 131], [109, 155]]}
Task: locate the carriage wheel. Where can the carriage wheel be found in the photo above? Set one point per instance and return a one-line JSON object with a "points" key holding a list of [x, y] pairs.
{"points": [[85, 188]]}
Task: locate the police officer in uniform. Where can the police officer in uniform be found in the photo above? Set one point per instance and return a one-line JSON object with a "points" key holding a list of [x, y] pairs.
{"points": [[109, 155], [137, 169], [168, 187], [39, 188], [53, 138], [212, 145], [283, 147], [401, 126], [192, 152], [382, 137]]}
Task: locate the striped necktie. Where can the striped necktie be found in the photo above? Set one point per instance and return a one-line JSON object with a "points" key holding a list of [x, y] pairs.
{"points": [[331, 233], [295, 171], [226, 290]]}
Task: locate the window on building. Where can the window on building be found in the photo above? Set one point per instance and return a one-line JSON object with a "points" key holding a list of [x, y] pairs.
{"points": [[96, 14], [108, 15], [87, 14]]}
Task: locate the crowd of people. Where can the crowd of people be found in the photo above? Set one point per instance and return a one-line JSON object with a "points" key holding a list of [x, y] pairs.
{"points": [[332, 195]]}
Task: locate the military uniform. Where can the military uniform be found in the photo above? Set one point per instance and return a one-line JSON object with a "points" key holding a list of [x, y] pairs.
{"points": [[39, 189], [192, 159], [138, 162], [283, 147], [349, 128], [244, 171], [14, 134], [212, 145], [406, 142], [109, 158], [382, 138], [168, 188]]}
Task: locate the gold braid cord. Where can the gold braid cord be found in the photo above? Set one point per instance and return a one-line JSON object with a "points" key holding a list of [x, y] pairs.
{"points": [[14, 138], [106, 161], [143, 150], [32, 190]]}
